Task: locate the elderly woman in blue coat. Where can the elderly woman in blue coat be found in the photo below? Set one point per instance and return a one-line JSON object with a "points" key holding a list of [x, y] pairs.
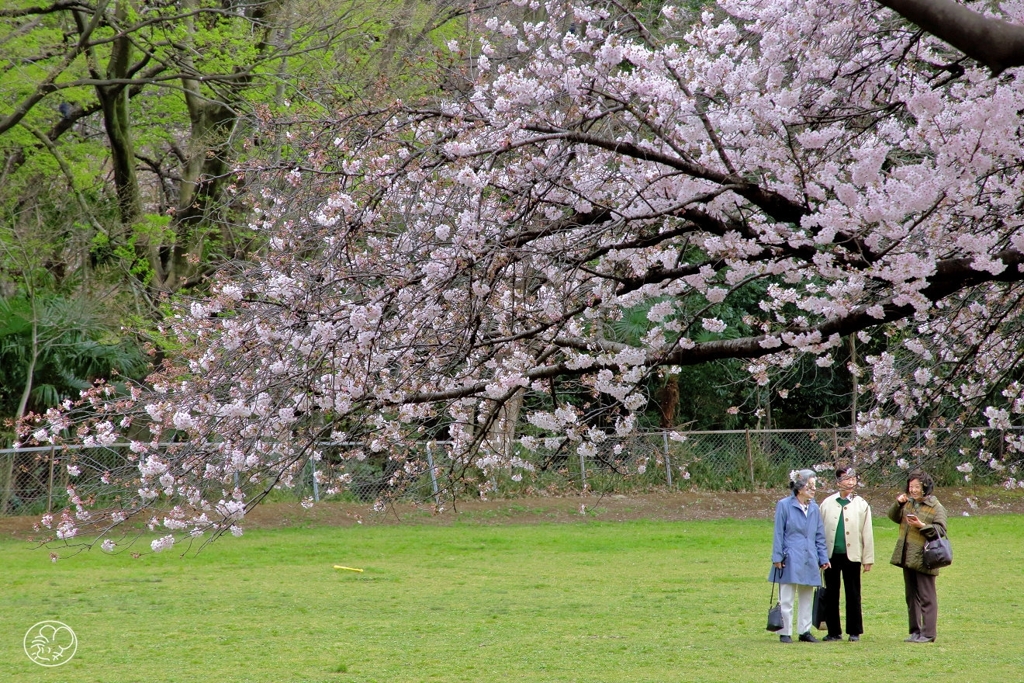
{"points": [[798, 553]]}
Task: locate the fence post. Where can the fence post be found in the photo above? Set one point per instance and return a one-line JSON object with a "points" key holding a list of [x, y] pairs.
{"points": [[750, 458], [668, 463], [49, 484], [8, 483], [316, 486], [433, 475], [583, 472]]}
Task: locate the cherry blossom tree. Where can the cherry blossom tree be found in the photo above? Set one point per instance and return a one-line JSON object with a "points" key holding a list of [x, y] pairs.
{"points": [[451, 272]]}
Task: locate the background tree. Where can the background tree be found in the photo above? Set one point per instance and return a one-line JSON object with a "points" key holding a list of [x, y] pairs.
{"points": [[144, 107], [55, 342]]}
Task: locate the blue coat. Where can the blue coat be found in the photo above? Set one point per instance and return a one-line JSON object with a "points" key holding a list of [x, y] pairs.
{"points": [[799, 541]]}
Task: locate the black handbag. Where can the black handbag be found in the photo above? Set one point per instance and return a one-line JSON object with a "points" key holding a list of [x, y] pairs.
{"points": [[774, 613], [818, 608], [938, 552]]}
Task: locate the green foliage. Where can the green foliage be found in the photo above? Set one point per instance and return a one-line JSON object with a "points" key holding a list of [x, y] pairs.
{"points": [[807, 396], [72, 346], [193, 75]]}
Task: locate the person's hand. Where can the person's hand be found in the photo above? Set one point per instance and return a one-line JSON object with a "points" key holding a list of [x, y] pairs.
{"points": [[901, 499], [867, 568], [827, 565], [913, 521], [779, 565]]}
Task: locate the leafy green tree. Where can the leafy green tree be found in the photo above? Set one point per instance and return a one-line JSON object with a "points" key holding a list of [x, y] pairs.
{"points": [[51, 349], [141, 110], [54, 343], [56, 337]]}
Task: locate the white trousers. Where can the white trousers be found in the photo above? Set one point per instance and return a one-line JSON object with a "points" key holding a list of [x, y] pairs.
{"points": [[805, 597]]}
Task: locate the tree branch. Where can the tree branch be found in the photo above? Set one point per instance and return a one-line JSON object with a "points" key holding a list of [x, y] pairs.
{"points": [[47, 85], [772, 203], [50, 9], [69, 176], [997, 44], [951, 276]]}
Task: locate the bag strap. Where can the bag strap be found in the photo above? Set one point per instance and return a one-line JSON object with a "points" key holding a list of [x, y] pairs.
{"points": [[772, 598]]}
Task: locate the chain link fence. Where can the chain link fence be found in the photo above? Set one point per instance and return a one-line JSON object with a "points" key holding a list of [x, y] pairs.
{"points": [[749, 460], [35, 480]]}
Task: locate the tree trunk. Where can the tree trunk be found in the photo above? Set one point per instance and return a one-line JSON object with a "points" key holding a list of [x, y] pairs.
{"points": [[995, 43], [668, 401], [8, 467], [202, 179], [503, 432], [199, 191], [114, 101]]}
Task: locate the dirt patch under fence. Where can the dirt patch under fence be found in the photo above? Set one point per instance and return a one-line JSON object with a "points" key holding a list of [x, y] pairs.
{"points": [[665, 505]]}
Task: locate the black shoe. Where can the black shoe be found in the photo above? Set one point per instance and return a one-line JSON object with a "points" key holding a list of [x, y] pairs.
{"points": [[830, 638], [808, 638], [854, 639], [921, 638], [913, 638], [785, 639]]}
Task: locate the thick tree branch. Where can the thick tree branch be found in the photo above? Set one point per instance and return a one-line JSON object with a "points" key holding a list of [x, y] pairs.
{"points": [[47, 85], [48, 9], [951, 276], [997, 44], [772, 203]]}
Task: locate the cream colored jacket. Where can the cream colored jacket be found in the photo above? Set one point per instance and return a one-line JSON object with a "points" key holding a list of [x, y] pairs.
{"points": [[860, 538]]}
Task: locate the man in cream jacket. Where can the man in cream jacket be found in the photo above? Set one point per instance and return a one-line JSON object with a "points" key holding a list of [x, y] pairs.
{"points": [[850, 543]]}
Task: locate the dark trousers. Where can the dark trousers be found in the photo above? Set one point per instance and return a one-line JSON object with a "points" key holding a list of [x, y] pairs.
{"points": [[848, 573], [922, 602]]}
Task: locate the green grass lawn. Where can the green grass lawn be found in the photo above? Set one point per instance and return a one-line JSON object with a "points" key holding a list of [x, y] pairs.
{"points": [[590, 601]]}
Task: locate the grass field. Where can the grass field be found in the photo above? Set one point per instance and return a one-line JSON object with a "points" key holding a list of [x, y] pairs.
{"points": [[590, 601]]}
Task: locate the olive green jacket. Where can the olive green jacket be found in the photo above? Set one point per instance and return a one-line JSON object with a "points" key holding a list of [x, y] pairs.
{"points": [[909, 552]]}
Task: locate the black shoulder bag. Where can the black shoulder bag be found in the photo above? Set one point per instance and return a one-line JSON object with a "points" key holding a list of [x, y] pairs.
{"points": [[938, 552]]}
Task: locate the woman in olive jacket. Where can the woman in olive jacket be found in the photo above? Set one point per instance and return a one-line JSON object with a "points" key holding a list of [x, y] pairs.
{"points": [[921, 518]]}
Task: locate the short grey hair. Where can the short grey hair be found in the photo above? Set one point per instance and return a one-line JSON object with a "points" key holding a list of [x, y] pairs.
{"points": [[799, 479]]}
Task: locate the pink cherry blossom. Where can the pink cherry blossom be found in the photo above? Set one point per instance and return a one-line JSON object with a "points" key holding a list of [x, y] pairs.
{"points": [[457, 270]]}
